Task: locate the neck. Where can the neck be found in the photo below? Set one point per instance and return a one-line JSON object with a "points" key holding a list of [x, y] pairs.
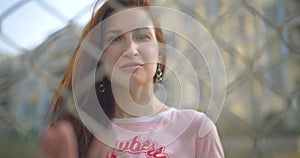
{"points": [[142, 95], [140, 101]]}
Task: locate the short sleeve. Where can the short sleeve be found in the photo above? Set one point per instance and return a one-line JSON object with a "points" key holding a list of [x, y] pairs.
{"points": [[208, 144]]}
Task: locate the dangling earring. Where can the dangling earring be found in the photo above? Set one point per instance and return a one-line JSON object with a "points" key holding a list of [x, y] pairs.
{"points": [[101, 87], [159, 74]]}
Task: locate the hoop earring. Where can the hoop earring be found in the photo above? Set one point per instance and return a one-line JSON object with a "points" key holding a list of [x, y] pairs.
{"points": [[159, 74], [101, 87]]}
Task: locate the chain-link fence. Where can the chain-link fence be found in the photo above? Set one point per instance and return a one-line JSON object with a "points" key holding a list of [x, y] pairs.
{"points": [[259, 43]]}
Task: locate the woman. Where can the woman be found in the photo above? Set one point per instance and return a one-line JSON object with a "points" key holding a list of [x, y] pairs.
{"points": [[131, 63]]}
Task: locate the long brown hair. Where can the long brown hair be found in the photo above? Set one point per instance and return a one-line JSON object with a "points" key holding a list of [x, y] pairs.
{"points": [[59, 100]]}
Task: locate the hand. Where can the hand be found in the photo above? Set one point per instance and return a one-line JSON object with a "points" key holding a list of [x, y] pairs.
{"points": [[60, 141]]}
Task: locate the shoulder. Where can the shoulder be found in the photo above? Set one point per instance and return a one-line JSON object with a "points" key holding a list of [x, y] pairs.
{"points": [[197, 116], [197, 120]]}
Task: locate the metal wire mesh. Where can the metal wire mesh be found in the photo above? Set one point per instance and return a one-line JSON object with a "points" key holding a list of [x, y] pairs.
{"points": [[259, 43]]}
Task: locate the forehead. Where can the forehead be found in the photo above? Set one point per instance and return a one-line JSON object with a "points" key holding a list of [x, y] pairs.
{"points": [[128, 19]]}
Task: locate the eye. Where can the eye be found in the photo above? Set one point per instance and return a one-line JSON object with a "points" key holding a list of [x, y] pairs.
{"points": [[142, 36], [114, 39]]}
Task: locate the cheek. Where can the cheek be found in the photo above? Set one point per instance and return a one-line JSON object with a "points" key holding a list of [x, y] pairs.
{"points": [[150, 69], [149, 53], [110, 58]]}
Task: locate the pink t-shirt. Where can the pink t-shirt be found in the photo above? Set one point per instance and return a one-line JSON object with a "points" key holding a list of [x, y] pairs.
{"points": [[169, 134]]}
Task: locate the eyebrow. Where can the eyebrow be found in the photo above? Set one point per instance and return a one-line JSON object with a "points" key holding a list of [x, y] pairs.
{"points": [[119, 31], [144, 28], [112, 31]]}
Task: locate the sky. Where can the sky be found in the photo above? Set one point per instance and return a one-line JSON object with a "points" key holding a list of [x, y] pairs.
{"points": [[27, 23]]}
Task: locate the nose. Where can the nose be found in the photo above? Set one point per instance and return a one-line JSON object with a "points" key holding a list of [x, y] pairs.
{"points": [[131, 47]]}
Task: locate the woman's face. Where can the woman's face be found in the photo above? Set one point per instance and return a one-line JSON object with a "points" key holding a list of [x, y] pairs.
{"points": [[130, 47]]}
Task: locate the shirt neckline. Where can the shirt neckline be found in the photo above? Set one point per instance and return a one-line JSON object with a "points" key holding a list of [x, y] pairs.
{"points": [[143, 118]]}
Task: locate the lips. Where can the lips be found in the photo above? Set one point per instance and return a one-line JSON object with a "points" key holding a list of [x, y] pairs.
{"points": [[131, 65]]}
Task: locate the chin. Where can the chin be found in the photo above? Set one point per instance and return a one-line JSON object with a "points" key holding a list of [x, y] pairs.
{"points": [[139, 79]]}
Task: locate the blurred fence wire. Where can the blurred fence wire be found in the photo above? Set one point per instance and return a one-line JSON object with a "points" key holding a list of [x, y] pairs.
{"points": [[260, 45]]}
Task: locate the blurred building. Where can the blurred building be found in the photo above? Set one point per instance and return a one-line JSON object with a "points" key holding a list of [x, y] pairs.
{"points": [[27, 81]]}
